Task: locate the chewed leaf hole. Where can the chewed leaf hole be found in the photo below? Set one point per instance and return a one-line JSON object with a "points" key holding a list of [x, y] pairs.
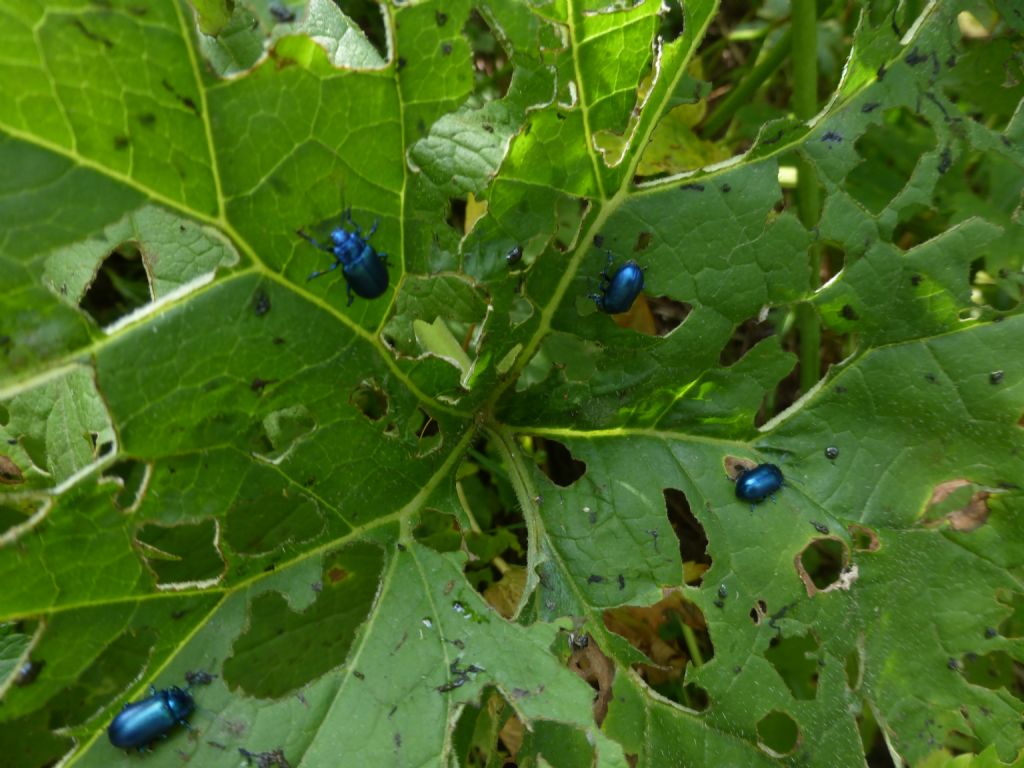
{"points": [[759, 611], [438, 530], [133, 476], [555, 461], [457, 214], [864, 539], [672, 633], [120, 286], [994, 670], [693, 541], [282, 649], [182, 554], [797, 661], [370, 19], [428, 434], [746, 335], [668, 313], [369, 398], [821, 563], [492, 715], [890, 152], [490, 59], [777, 733]]}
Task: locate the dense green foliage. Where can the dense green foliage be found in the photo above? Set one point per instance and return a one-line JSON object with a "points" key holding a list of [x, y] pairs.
{"points": [[476, 520]]}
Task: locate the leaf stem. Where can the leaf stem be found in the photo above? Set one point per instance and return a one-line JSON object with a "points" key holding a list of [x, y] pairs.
{"points": [[805, 105]]}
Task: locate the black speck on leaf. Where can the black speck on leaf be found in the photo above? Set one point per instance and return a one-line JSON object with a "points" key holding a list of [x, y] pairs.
{"points": [[915, 57]]}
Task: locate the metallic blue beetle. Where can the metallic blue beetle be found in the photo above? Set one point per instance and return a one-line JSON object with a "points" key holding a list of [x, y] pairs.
{"points": [[619, 291], [365, 270], [142, 722], [757, 484]]}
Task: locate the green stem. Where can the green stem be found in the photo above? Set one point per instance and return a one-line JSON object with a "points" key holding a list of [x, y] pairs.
{"points": [[745, 89], [805, 105]]}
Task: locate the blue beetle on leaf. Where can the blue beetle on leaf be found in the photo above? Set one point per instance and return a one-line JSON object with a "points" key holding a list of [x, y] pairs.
{"points": [[617, 292], [142, 722], [758, 483], [365, 270]]}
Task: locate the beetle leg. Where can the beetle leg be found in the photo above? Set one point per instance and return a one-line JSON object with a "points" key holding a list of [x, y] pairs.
{"points": [[372, 229], [311, 241], [383, 256], [331, 268], [351, 296]]}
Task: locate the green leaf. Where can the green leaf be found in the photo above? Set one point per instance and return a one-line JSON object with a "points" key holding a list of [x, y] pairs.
{"points": [[477, 521]]}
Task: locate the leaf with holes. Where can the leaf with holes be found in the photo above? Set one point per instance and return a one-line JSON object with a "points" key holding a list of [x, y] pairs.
{"points": [[475, 520]]}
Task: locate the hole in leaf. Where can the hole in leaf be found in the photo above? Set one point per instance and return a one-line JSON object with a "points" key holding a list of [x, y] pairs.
{"points": [[777, 733], [994, 670], [917, 224], [693, 541], [876, 750], [890, 152], [590, 663], [369, 17], [864, 538], [668, 313], [555, 461], [821, 562], [496, 540], [438, 530], [549, 743], [181, 554], [133, 475], [456, 217], [671, 633], [120, 286], [673, 22], [1013, 625], [493, 71], [759, 611], [833, 259], [797, 661], [746, 335], [476, 728], [15, 512], [428, 434], [369, 398], [282, 649]]}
